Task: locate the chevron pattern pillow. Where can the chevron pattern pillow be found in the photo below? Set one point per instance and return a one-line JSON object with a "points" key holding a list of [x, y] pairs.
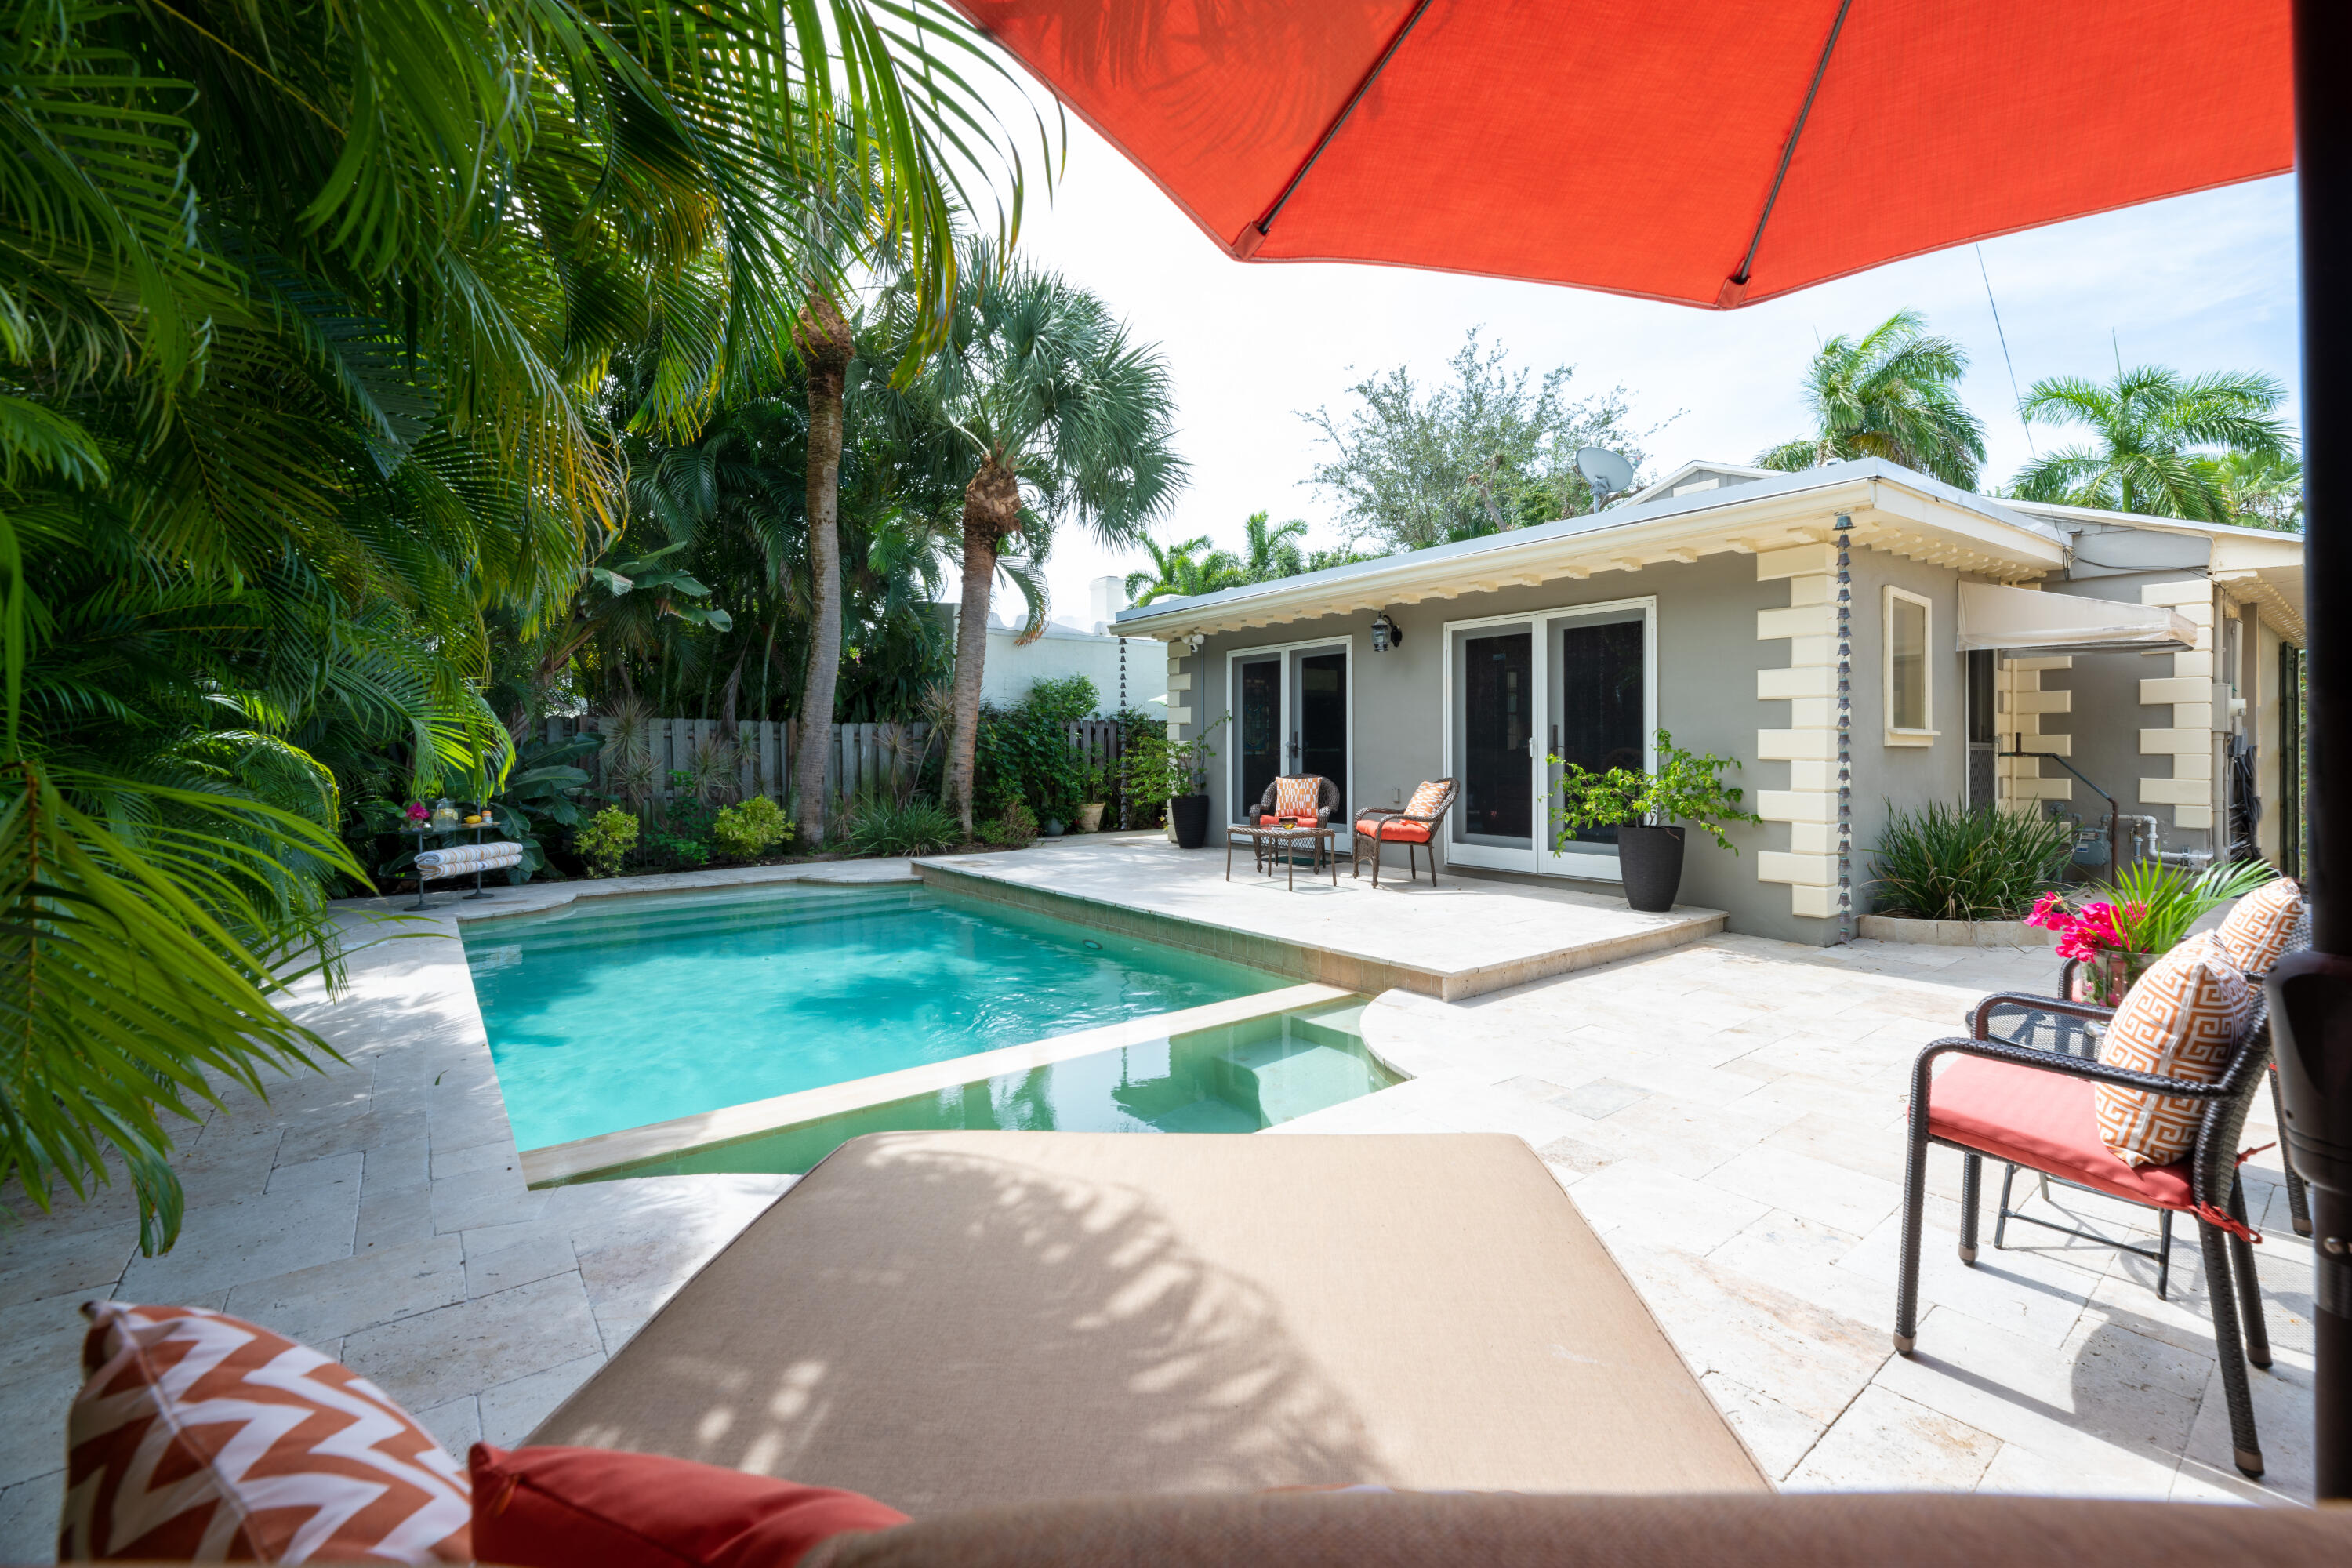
{"points": [[1426, 799], [198, 1437], [2179, 1020]]}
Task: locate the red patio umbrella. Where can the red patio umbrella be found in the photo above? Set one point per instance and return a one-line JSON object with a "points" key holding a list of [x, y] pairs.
{"points": [[1715, 153]]}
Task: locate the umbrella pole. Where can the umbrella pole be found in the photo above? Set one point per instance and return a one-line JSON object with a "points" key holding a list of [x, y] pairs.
{"points": [[2311, 994]]}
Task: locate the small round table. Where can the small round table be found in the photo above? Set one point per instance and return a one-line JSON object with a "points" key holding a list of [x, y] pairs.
{"points": [[1265, 841]]}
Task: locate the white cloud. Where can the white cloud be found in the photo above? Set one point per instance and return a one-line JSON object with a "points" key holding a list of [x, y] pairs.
{"points": [[2202, 282]]}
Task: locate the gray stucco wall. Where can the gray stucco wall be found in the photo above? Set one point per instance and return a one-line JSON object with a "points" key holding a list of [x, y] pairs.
{"points": [[1707, 656], [1888, 779], [2107, 716]]}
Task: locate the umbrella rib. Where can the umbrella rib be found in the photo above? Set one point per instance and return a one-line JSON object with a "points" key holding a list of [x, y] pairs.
{"points": [[1789, 150], [1332, 129]]}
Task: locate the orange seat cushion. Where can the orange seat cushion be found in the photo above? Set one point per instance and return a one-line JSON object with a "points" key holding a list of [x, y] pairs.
{"points": [[1388, 830], [2046, 1120]]}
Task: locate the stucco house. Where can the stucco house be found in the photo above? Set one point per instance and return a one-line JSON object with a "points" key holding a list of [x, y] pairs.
{"points": [[2030, 656]]}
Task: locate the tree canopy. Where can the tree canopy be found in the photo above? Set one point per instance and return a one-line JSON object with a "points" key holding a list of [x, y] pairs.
{"points": [[1487, 449], [2209, 448], [1893, 393]]}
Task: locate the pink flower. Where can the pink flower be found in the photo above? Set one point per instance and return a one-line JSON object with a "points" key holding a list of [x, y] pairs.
{"points": [[2050, 912], [417, 810]]}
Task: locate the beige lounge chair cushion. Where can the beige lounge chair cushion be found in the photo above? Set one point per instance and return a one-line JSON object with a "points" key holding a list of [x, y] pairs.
{"points": [[947, 1319], [1931, 1530]]}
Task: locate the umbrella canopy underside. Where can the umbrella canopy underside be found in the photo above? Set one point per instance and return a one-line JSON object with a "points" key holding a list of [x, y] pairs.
{"points": [[1713, 154]]}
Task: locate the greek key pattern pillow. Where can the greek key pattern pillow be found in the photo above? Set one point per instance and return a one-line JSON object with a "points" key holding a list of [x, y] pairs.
{"points": [[2258, 930], [198, 1437], [2179, 1020], [1297, 797], [1425, 800]]}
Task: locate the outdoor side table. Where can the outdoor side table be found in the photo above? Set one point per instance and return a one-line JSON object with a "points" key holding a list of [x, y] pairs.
{"points": [[1283, 841]]}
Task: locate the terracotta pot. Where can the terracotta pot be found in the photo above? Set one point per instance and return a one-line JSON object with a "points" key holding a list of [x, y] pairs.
{"points": [[1650, 862], [1090, 817]]}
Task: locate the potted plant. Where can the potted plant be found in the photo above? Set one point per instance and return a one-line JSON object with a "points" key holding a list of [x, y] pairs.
{"points": [[1094, 798], [1178, 772], [1645, 808], [2123, 926]]}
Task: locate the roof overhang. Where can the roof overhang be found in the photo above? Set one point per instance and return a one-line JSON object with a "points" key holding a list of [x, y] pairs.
{"points": [[2024, 620], [2267, 572], [1892, 509]]}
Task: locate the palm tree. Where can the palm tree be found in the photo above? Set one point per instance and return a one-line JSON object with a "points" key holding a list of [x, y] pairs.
{"points": [[1062, 417], [1893, 394], [1269, 550], [1184, 571], [306, 312], [2155, 436], [826, 344], [2260, 490]]}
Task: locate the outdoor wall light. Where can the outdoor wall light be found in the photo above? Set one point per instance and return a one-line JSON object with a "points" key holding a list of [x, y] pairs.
{"points": [[1196, 640], [1386, 633]]}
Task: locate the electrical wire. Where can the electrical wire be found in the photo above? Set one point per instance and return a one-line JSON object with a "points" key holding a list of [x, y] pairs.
{"points": [[1999, 333]]}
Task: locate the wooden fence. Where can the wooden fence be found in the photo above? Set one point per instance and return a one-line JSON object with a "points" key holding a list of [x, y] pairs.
{"points": [[863, 756]]}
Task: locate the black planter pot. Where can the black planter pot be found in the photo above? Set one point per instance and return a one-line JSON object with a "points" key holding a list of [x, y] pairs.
{"points": [[1190, 813], [1652, 861]]}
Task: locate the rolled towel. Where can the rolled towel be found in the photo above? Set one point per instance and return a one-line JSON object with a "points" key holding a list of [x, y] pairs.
{"points": [[459, 859]]}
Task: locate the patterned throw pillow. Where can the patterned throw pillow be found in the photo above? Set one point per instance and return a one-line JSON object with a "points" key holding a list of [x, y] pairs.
{"points": [[1425, 800], [200, 1438], [2178, 1020], [2258, 930], [1298, 796]]}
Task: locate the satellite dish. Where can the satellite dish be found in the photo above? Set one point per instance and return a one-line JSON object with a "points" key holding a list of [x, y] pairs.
{"points": [[1605, 471]]}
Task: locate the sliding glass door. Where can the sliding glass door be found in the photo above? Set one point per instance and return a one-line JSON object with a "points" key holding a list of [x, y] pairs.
{"points": [[1576, 684], [1292, 714]]}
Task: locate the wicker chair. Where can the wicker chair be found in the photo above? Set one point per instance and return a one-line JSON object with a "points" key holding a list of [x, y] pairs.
{"points": [[2044, 1119], [1382, 825], [1327, 801], [2021, 1021]]}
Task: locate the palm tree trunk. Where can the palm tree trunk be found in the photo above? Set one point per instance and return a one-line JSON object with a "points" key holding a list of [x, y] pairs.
{"points": [[991, 510], [826, 346]]}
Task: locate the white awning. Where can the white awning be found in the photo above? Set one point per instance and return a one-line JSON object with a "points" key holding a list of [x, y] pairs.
{"points": [[2026, 620]]}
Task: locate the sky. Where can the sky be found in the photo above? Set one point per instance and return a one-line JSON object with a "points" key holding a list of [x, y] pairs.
{"points": [[2202, 283]]}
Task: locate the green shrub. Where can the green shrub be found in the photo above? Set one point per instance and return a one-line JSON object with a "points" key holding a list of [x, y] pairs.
{"points": [[1015, 828], [920, 826], [1685, 788], [748, 831], [1948, 863], [610, 834]]}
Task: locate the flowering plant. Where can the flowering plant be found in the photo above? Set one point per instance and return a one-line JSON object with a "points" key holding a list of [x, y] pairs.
{"points": [[417, 810], [2082, 933]]}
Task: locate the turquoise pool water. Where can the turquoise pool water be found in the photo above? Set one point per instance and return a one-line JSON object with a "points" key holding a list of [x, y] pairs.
{"points": [[615, 1013], [1238, 1078]]}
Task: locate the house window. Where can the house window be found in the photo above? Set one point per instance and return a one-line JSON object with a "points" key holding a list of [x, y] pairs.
{"points": [[1910, 713]]}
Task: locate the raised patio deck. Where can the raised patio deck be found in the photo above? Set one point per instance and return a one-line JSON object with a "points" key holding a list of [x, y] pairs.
{"points": [[1461, 938]]}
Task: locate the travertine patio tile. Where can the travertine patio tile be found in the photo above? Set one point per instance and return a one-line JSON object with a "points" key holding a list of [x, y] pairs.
{"points": [[334, 1300], [510, 1410], [1887, 1442], [2038, 1297], [539, 1256], [224, 1245], [1603, 1097], [455, 1350], [330, 1170], [1790, 1253], [456, 1425], [390, 1215], [1663, 1208], [36, 1335], [2111, 1413], [483, 1198], [28, 1517], [58, 1260], [33, 1439], [1816, 1189], [496, 1155], [1812, 1361], [1777, 1435], [2282, 1401]]}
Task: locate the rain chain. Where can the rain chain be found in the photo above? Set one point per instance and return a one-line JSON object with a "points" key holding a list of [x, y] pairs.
{"points": [[1845, 727]]}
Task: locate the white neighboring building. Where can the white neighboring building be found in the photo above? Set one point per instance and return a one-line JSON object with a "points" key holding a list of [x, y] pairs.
{"points": [[1065, 650]]}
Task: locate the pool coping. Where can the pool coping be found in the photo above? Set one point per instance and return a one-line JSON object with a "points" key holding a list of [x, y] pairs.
{"points": [[633, 1148], [1361, 972]]}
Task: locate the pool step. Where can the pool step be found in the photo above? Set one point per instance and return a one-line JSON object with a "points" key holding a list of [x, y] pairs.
{"points": [[1281, 1079]]}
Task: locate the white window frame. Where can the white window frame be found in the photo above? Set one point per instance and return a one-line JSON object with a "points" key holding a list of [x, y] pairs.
{"points": [[1927, 734]]}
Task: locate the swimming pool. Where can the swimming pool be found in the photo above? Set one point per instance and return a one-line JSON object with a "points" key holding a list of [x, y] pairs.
{"points": [[1243, 1076], [616, 1013]]}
